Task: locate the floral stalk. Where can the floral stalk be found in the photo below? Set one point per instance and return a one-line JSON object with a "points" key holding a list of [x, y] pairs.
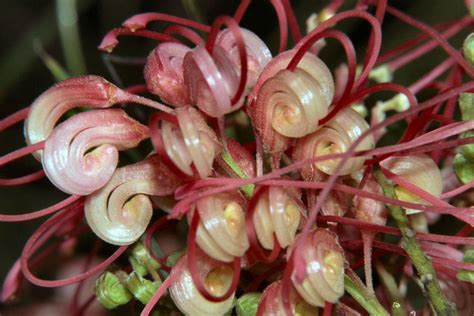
{"points": [[422, 263]]}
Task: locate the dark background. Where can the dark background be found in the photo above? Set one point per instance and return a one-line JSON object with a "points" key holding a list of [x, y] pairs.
{"points": [[23, 75]]}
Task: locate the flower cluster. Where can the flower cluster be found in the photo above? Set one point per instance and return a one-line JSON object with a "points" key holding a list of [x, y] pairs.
{"points": [[287, 213]]}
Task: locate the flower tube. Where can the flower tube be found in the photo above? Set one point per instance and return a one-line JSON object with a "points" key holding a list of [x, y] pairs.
{"points": [[190, 143], [216, 278], [277, 211], [418, 170], [120, 212], [288, 104], [47, 109], [81, 154], [324, 260], [221, 230], [335, 137]]}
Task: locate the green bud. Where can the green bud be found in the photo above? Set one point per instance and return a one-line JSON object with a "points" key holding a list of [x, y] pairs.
{"points": [[463, 168], [466, 275], [141, 260], [469, 256], [468, 48], [110, 291], [466, 104], [247, 304], [137, 266], [142, 288]]}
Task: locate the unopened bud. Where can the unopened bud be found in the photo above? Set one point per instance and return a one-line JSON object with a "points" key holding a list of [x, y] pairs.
{"points": [[141, 260], [468, 48], [463, 168], [110, 291], [247, 304], [143, 289]]}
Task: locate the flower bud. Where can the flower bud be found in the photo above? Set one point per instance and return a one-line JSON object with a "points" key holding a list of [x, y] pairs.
{"points": [[142, 261], [468, 48], [247, 304], [141, 288], [111, 291]]}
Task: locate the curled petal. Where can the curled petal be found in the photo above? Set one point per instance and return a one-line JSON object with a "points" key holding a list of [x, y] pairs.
{"points": [[419, 170], [212, 80], [191, 143], [120, 212], [47, 109], [81, 154], [221, 231], [277, 212], [335, 137], [324, 261], [309, 63], [258, 54], [287, 104], [294, 103], [271, 302], [164, 73], [216, 278]]}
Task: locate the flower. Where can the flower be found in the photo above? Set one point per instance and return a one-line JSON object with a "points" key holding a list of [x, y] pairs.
{"points": [[261, 168]]}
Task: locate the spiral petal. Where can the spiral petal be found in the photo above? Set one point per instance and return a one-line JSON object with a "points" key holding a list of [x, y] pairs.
{"points": [[192, 141], [81, 154], [335, 137], [324, 260], [47, 109], [419, 170], [289, 104], [120, 212], [222, 220], [216, 278]]}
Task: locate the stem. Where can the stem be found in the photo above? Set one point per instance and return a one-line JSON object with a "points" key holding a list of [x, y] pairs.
{"points": [[421, 262], [66, 13], [359, 292]]}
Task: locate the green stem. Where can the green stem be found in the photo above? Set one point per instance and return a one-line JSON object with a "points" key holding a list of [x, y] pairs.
{"points": [[354, 286], [421, 262], [66, 14]]}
